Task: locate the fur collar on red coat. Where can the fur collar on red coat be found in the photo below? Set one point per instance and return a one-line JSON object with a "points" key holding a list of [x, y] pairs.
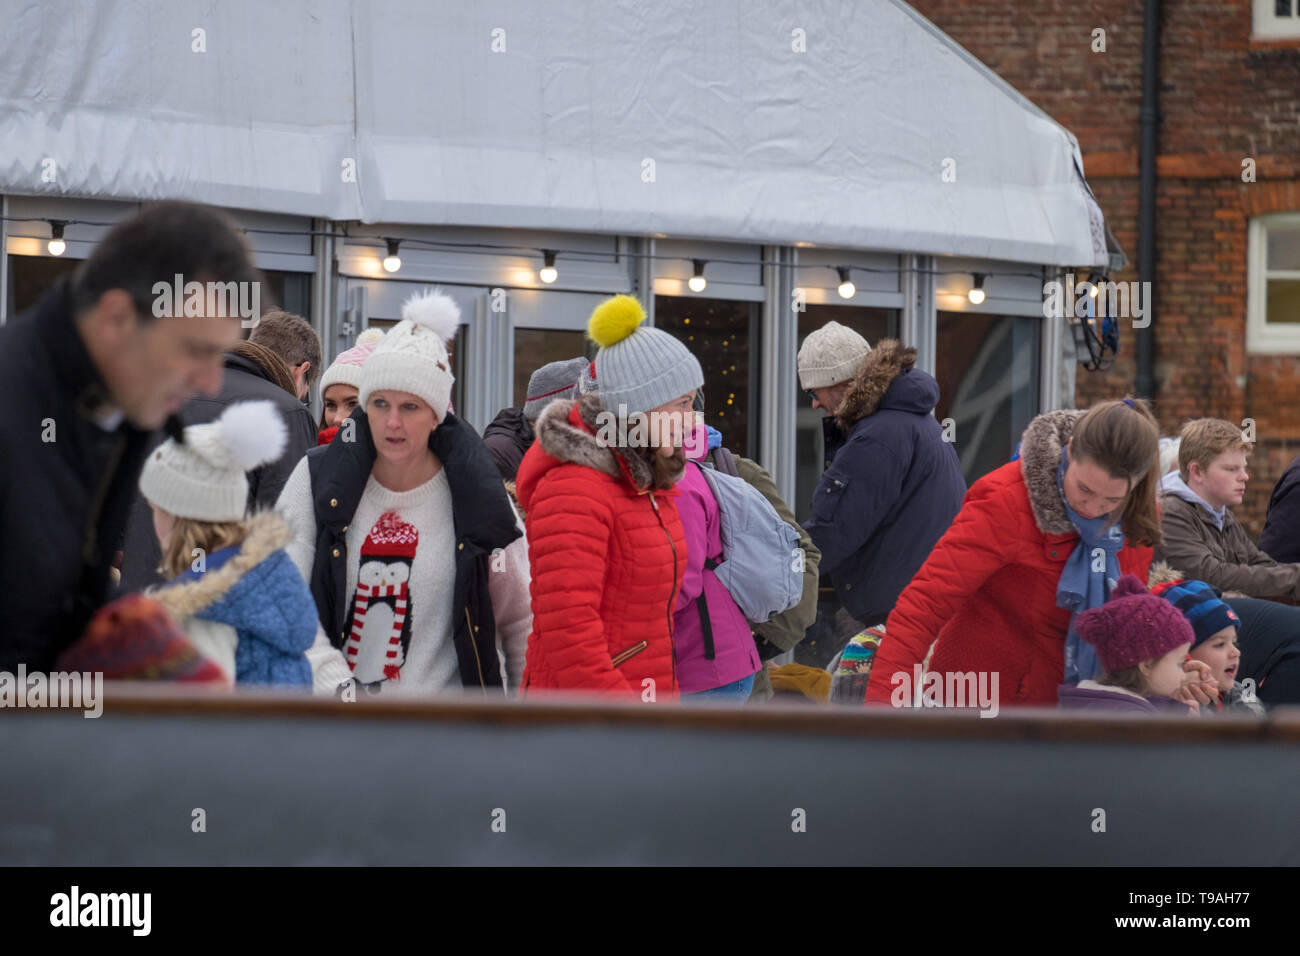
{"points": [[1040, 455], [888, 360], [567, 440]]}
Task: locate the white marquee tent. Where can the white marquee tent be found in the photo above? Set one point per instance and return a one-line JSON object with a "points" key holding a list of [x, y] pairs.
{"points": [[857, 124]]}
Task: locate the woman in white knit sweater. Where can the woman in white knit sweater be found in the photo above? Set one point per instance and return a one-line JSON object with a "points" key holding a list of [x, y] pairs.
{"points": [[401, 526]]}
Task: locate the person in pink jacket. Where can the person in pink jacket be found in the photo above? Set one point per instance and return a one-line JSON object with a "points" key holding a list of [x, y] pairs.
{"points": [[715, 651]]}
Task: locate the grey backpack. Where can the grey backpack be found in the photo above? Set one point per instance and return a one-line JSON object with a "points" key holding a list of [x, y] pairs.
{"points": [[761, 566]]}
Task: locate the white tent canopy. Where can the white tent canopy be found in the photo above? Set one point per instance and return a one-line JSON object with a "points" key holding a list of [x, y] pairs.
{"points": [[853, 125]]}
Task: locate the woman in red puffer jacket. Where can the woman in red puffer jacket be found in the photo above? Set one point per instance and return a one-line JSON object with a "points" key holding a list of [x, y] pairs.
{"points": [[605, 544], [989, 597]]}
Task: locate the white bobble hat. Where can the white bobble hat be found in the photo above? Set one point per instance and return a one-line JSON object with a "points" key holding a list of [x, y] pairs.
{"points": [[831, 355], [412, 356], [204, 478]]}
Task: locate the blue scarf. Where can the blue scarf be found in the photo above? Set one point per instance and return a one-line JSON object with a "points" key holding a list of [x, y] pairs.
{"points": [[1082, 586]]}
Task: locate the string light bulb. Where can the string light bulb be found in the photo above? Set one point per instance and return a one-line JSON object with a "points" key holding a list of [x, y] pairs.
{"points": [[392, 261], [976, 294], [697, 282], [847, 289], [548, 273], [56, 245]]}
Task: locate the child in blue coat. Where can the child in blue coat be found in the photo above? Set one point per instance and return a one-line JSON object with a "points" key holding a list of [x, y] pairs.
{"points": [[232, 588]]}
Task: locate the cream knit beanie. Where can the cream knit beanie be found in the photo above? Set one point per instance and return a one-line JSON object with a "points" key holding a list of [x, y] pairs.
{"points": [[831, 355], [204, 478], [412, 356], [346, 369]]}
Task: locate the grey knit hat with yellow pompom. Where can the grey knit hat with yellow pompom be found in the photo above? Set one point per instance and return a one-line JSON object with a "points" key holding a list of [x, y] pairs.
{"points": [[638, 367]]}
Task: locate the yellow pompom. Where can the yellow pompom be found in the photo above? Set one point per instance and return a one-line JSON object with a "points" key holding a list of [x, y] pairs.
{"points": [[614, 320]]}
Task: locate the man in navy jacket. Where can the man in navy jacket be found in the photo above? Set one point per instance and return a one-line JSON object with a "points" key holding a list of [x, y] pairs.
{"points": [[892, 485]]}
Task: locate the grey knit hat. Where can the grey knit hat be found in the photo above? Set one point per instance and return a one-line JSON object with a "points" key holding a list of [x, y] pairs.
{"points": [[830, 355], [551, 381], [638, 367]]}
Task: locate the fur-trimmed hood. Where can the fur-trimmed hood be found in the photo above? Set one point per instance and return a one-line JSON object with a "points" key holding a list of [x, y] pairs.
{"points": [[880, 383], [256, 589], [564, 440], [1040, 455]]}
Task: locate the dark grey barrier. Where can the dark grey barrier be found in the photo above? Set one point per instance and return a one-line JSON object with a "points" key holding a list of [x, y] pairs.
{"points": [[297, 781]]}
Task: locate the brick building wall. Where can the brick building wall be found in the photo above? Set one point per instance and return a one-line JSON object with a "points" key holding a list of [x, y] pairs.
{"points": [[1223, 98]]}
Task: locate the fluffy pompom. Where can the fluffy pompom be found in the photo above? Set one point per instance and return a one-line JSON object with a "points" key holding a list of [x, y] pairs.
{"points": [[614, 320], [1128, 584], [434, 310], [370, 335], [253, 433]]}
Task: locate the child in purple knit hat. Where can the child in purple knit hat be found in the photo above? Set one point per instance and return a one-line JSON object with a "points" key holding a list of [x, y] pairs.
{"points": [[1142, 643]]}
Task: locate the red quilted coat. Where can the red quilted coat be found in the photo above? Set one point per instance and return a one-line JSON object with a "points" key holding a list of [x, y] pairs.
{"points": [[987, 592], [606, 559]]}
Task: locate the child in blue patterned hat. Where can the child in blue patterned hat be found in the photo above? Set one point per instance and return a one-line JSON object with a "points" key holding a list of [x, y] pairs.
{"points": [[1215, 625]]}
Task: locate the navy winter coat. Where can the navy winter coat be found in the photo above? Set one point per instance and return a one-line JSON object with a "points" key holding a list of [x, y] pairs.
{"points": [[892, 488], [1280, 539]]}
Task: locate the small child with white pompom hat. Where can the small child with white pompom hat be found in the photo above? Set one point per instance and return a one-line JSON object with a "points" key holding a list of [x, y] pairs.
{"points": [[231, 585]]}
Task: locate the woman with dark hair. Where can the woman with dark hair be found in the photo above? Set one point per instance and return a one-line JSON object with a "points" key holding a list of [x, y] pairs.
{"points": [[606, 544], [1036, 542]]}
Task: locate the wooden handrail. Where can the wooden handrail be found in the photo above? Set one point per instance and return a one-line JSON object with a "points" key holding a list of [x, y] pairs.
{"points": [[144, 699]]}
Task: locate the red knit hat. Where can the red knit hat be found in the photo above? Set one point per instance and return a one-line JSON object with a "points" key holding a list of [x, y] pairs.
{"points": [[133, 638], [1133, 626]]}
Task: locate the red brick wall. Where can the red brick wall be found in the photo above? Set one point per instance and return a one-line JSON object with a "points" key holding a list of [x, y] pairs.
{"points": [[1222, 98]]}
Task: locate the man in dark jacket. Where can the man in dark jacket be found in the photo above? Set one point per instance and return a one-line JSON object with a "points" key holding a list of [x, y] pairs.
{"points": [[253, 372], [892, 485], [1280, 539], [509, 435], [88, 374]]}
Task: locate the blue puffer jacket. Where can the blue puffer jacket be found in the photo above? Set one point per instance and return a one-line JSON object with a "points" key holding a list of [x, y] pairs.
{"points": [[255, 590], [892, 488]]}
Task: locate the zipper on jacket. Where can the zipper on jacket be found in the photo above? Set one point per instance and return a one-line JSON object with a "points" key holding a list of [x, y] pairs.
{"points": [[622, 657], [469, 625], [673, 593]]}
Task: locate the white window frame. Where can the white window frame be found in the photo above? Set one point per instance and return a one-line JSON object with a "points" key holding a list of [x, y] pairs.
{"points": [[1267, 25], [1262, 338]]}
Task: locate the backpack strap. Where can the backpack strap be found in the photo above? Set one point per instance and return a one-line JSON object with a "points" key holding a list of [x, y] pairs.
{"points": [[706, 625], [725, 461]]}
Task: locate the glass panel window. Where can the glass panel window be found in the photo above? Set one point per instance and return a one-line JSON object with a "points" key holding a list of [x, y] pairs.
{"points": [[987, 369], [537, 347], [872, 324], [30, 277], [1283, 301], [287, 291], [723, 335], [1273, 308], [1275, 19]]}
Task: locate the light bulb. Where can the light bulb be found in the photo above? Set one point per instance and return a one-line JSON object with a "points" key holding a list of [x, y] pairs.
{"points": [[697, 282], [847, 289], [392, 261], [548, 273], [976, 293], [57, 247]]}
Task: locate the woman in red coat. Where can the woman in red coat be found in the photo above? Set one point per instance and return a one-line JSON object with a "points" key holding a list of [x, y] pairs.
{"points": [[1036, 542], [605, 545]]}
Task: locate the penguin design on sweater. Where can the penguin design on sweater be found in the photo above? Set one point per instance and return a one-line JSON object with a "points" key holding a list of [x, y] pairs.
{"points": [[380, 613]]}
